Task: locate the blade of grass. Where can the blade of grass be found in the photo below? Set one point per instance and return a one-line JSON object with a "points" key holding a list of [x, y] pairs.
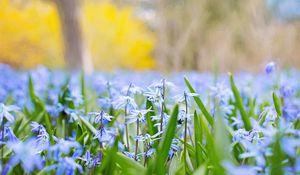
{"points": [[108, 164], [277, 104], [128, 165], [83, 91], [165, 144], [277, 158], [90, 127], [151, 128], [200, 104], [239, 104], [198, 139]]}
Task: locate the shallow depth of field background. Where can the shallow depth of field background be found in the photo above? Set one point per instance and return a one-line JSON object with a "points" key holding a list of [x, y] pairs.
{"points": [[164, 35]]}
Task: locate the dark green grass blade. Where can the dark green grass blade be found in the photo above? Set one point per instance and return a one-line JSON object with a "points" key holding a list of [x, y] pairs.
{"points": [[239, 104], [165, 144], [200, 104]]}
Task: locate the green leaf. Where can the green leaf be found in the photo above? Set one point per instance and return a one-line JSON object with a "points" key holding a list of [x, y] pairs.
{"points": [[37, 102], [200, 104], [18, 124], [108, 165], [165, 144], [48, 126], [83, 91], [198, 139], [176, 167], [239, 104], [150, 124], [221, 139], [277, 104], [88, 125], [277, 158], [201, 170], [129, 166]]}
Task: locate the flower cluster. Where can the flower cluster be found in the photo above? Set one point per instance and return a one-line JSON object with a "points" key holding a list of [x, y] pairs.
{"points": [[127, 123]]}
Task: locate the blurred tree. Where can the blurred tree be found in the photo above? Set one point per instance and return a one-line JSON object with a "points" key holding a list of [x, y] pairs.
{"points": [[31, 34], [76, 53]]}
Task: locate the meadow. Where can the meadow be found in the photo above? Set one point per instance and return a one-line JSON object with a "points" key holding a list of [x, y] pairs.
{"points": [[57, 122]]}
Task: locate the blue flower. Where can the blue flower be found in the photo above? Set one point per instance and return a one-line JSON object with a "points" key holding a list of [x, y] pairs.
{"points": [[62, 146], [91, 161], [6, 112], [185, 97], [25, 154], [8, 135], [286, 91], [270, 67], [100, 116], [174, 148], [182, 116], [291, 112], [42, 138], [158, 118], [290, 145], [131, 90], [67, 166], [124, 101], [135, 115], [245, 137], [148, 138], [148, 153], [104, 135], [269, 114]]}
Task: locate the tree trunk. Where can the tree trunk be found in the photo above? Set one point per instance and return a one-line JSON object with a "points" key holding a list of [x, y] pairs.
{"points": [[75, 51]]}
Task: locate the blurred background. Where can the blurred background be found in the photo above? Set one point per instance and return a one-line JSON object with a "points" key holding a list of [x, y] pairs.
{"points": [[163, 35]]}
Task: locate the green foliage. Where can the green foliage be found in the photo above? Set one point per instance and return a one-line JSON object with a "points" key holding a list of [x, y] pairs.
{"points": [[277, 104], [239, 104], [165, 144], [200, 104]]}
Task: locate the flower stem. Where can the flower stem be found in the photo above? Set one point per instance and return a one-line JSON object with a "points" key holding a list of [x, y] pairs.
{"points": [[185, 131], [126, 127], [137, 141], [146, 152], [126, 130], [101, 129], [162, 106]]}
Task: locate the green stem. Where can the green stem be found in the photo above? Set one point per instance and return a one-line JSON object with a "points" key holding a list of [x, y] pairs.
{"points": [[146, 152], [162, 106], [137, 141], [185, 133], [126, 127]]}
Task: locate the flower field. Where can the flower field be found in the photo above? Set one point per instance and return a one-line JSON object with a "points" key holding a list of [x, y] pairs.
{"points": [[55, 122]]}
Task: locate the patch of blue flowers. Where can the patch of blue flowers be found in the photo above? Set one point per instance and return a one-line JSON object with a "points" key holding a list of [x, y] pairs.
{"points": [[54, 122]]}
